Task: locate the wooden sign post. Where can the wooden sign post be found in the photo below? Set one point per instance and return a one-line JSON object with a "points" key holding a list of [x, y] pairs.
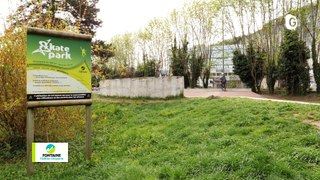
{"points": [[58, 74]]}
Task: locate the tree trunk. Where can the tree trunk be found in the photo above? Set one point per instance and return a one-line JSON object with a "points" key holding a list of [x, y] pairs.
{"points": [[316, 73], [316, 65], [253, 89], [258, 89], [186, 81], [205, 81], [316, 70], [271, 79]]}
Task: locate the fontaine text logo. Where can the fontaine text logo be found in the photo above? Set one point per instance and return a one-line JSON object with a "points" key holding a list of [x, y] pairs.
{"points": [[49, 152]]}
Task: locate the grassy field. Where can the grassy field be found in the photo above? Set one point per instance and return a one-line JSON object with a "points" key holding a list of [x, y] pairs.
{"points": [[191, 138]]}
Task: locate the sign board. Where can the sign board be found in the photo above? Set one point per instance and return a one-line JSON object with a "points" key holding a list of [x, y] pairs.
{"points": [[58, 68], [49, 152], [58, 74]]}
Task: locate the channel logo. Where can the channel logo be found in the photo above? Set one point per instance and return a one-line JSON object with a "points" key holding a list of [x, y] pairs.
{"points": [[291, 22]]}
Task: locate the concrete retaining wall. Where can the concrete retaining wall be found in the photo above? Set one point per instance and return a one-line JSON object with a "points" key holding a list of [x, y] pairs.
{"points": [[161, 87]]}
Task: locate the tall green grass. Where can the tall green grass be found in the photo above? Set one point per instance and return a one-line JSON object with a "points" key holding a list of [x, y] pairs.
{"points": [[197, 138]]}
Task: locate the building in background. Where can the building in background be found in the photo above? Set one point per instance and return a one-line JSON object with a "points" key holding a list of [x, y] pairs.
{"points": [[221, 59], [220, 56]]}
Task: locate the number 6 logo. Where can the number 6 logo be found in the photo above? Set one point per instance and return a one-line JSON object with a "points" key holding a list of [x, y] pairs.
{"points": [[291, 22]]}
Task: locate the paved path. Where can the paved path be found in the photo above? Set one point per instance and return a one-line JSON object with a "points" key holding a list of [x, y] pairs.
{"points": [[242, 93]]}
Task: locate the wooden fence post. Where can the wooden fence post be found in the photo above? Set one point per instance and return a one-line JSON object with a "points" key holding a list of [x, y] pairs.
{"points": [[88, 132], [30, 139]]}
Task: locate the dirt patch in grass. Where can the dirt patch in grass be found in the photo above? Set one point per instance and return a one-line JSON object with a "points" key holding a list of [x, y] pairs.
{"points": [[314, 123]]}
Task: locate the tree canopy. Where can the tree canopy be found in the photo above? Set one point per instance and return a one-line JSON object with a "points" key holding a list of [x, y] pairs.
{"points": [[73, 15], [293, 65]]}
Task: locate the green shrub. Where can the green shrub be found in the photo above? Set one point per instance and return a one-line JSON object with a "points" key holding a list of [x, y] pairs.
{"points": [[12, 89]]}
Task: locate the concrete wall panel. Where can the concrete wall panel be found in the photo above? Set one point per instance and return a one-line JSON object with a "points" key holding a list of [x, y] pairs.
{"points": [[143, 87]]}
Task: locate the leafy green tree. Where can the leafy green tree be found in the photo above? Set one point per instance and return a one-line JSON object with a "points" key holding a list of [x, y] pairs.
{"points": [[256, 59], [271, 75], [206, 75], [86, 11], [124, 50], [250, 67], [196, 64], [147, 69], [202, 20], [293, 65], [158, 36], [242, 68], [184, 58], [101, 52], [176, 64], [180, 61], [309, 17], [75, 15]]}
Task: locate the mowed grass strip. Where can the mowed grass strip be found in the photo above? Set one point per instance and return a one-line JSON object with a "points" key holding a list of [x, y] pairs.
{"points": [[192, 138]]}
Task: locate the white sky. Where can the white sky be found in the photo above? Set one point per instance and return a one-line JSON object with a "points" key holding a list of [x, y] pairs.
{"points": [[118, 16], [121, 16], [7, 6]]}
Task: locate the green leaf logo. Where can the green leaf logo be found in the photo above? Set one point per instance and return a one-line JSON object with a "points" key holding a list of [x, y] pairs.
{"points": [[50, 148]]}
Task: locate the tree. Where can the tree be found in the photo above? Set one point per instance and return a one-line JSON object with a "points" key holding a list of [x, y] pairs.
{"points": [[206, 75], [202, 17], [12, 89], [250, 67], [86, 12], [310, 21], [314, 47], [101, 52], [124, 50], [270, 40], [293, 65], [241, 68], [183, 55], [146, 69], [75, 15], [258, 20], [196, 64], [180, 61], [256, 60], [177, 67], [158, 35]]}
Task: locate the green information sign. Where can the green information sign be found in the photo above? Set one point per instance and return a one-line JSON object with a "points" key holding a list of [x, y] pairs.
{"points": [[58, 68]]}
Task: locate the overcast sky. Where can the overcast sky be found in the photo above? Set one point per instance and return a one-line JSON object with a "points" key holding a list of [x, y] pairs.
{"points": [[121, 16], [118, 16], [6, 7]]}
